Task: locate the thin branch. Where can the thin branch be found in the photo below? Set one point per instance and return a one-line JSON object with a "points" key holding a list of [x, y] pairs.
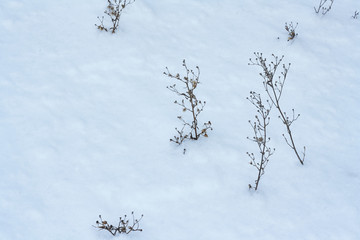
{"points": [[291, 30], [356, 14], [114, 11], [189, 103], [323, 7], [123, 225], [274, 89], [260, 137]]}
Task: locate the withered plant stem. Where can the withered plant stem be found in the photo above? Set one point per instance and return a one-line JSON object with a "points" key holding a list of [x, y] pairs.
{"points": [[274, 89]]}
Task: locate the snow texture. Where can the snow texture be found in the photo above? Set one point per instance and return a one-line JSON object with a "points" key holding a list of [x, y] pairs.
{"points": [[85, 121]]}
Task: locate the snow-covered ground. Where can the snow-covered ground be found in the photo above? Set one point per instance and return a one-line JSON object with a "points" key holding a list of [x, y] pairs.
{"points": [[85, 121]]}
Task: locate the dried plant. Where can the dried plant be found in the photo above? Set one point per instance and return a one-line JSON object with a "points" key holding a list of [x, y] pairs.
{"points": [[274, 88], [189, 103], [260, 137], [291, 31], [356, 14], [324, 9], [123, 226], [114, 11]]}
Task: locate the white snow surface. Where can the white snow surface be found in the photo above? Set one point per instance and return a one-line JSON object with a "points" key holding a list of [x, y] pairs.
{"points": [[85, 121]]}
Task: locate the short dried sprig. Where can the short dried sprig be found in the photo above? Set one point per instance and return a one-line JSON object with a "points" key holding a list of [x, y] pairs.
{"points": [[113, 11], [188, 103], [290, 28], [124, 225], [101, 27], [324, 8], [356, 15]]}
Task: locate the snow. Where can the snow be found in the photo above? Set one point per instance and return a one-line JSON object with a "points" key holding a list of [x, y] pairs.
{"points": [[85, 121]]}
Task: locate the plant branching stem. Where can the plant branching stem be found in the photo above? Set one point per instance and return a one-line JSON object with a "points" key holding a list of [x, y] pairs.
{"points": [[189, 103], [274, 89], [259, 127]]}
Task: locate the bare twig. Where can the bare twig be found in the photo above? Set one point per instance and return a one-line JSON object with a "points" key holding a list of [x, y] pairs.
{"points": [[356, 14], [260, 137], [291, 30], [189, 103], [324, 8], [114, 11], [124, 225], [274, 89]]}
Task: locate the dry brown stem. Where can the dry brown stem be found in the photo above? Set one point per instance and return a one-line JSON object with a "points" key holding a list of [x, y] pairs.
{"points": [[123, 226], [260, 137], [274, 88], [291, 30], [189, 103], [114, 11], [323, 7]]}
